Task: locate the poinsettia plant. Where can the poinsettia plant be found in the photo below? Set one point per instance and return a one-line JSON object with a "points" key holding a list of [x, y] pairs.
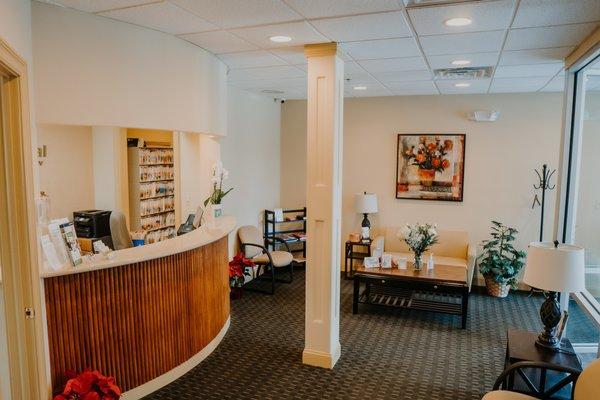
{"points": [[430, 154], [89, 385], [238, 268]]}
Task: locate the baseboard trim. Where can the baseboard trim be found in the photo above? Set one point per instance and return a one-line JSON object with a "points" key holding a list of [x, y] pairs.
{"points": [[177, 372], [322, 359]]}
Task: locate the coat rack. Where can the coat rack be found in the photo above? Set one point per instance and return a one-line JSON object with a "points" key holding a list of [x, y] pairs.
{"points": [[544, 184]]}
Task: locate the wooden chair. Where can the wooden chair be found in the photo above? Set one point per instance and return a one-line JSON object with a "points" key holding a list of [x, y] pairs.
{"points": [[252, 244]]}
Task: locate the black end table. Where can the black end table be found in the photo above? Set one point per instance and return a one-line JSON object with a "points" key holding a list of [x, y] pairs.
{"points": [[521, 346], [363, 249]]}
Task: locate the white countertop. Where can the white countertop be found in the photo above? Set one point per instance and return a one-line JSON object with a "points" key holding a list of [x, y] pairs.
{"points": [[192, 240]]}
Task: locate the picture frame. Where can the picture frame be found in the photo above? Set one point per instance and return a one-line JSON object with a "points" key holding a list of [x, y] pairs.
{"points": [[430, 166]]}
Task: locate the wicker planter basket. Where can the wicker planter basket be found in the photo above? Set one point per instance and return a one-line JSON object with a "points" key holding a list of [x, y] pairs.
{"points": [[496, 289]]}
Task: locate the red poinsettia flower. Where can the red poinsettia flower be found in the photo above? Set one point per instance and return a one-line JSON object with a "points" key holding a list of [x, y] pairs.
{"points": [[89, 385]]}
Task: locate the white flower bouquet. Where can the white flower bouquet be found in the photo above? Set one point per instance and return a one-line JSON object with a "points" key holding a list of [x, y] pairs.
{"points": [[419, 238]]}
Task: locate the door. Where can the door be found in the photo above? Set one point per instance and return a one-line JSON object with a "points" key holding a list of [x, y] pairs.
{"points": [[21, 332]]}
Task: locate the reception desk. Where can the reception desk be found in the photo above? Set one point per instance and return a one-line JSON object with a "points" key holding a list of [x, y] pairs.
{"points": [[145, 317]]}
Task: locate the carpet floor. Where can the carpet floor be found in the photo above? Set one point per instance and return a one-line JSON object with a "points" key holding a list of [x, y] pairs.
{"points": [[386, 354]]}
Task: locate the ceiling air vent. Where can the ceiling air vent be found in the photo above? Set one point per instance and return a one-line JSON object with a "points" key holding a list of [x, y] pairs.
{"points": [[426, 3], [463, 73]]}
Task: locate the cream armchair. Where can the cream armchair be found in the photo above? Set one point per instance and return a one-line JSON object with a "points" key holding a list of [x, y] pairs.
{"points": [[453, 249]]}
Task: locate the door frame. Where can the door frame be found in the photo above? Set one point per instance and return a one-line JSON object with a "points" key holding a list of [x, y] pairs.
{"points": [[18, 243]]}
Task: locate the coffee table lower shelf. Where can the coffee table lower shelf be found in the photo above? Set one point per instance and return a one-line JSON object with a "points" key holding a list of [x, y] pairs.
{"points": [[446, 299]]}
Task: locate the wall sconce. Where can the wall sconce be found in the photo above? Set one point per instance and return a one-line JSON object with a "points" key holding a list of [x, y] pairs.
{"points": [[41, 154]]}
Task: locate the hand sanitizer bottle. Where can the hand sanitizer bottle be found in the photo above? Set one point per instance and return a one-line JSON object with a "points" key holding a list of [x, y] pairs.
{"points": [[430, 262]]}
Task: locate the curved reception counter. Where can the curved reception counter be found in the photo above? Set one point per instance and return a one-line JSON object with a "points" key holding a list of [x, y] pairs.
{"points": [[146, 316]]}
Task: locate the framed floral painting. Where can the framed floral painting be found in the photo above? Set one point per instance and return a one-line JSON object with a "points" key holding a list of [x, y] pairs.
{"points": [[430, 166]]}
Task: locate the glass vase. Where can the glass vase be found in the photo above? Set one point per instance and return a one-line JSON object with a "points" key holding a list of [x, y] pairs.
{"points": [[417, 262]]}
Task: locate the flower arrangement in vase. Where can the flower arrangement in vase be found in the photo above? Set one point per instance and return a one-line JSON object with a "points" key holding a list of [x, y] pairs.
{"points": [[238, 268], [214, 200], [429, 157], [419, 238], [89, 385]]}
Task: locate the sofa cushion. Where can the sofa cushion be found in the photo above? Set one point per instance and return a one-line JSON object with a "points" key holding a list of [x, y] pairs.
{"points": [[441, 260], [450, 243]]}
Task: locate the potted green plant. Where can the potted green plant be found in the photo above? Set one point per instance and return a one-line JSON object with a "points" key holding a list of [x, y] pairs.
{"points": [[500, 262]]}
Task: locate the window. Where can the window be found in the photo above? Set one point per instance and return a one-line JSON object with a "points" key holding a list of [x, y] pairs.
{"points": [[580, 200]]}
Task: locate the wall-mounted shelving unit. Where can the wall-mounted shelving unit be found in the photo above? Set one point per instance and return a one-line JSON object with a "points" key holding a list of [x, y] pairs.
{"points": [[152, 192], [292, 230]]}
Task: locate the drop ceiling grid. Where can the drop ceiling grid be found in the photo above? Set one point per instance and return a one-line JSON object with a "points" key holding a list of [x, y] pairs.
{"points": [[235, 20]]}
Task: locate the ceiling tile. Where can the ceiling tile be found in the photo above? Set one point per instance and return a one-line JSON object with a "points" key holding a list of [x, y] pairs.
{"points": [[534, 56], [556, 12], [486, 16], [352, 67], [271, 84], [404, 76], [523, 71], [333, 8], [276, 72], [393, 64], [248, 59], [99, 5], [548, 36], [555, 85], [477, 60], [219, 42], [386, 48], [412, 88], [476, 86], [293, 55], [300, 32], [358, 79], [237, 13], [364, 27], [517, 85], [473, 42], [165, 17]]}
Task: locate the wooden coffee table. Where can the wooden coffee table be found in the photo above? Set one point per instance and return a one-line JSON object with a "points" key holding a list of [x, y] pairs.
{"points": [[443, 289]]}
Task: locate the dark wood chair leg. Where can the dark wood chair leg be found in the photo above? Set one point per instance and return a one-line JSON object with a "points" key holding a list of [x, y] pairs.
{"points": [[272, 279]]}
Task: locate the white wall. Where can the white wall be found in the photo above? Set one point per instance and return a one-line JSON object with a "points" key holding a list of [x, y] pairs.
{"points": [[110, 73], [499, 163], [251, 152], [67, 167]]}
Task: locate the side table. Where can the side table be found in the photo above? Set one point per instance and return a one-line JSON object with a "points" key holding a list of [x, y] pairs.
{"points": [[351, 254], [552, 372]]}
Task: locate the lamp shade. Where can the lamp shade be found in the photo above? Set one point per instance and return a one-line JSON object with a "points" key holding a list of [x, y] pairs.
{"points": [[365, 203], [557, 269]]}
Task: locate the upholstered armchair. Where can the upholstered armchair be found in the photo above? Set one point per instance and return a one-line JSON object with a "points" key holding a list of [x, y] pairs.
{"points": [[586, 384], [252, 244]]}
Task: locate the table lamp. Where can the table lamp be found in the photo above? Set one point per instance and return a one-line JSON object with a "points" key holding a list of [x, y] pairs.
{"points": [[555, 268], [365, 203]]}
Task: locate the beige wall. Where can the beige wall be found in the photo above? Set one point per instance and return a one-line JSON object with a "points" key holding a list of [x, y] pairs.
{"points": [[500, 158], [67, 174], [251, 153], [110, 73]]}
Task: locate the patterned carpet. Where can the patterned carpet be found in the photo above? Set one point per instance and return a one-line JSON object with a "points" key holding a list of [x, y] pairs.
{"points": [[385, 353]]}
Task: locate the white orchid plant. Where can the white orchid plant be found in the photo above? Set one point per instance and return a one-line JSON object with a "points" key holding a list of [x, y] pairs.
{"points": [[219, 175], [419, 237]]}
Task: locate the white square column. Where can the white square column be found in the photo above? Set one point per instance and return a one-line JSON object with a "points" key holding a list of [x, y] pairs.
{"points": [[324, 204]]}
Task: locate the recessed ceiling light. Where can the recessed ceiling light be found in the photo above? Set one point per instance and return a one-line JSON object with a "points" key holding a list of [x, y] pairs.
{"points": [[460, 21], [463, 84], [280, 39], [360, 88], [461, 62]]}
